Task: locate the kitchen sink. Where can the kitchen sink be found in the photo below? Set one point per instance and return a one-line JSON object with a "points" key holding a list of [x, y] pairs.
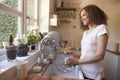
{"points": [[53, 71]]}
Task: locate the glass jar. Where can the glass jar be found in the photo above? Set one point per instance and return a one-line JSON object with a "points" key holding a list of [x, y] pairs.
{"points": [[23, 39], [21, 42], [17, 40]]}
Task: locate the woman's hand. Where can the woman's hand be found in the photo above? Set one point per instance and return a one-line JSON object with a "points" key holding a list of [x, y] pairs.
{"points": [[71, 50], [75, 53], [73, 61]]}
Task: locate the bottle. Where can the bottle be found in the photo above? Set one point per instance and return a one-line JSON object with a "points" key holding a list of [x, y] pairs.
{"points": [[62, 4], [17, 40], [23, 39], [22, 47]]}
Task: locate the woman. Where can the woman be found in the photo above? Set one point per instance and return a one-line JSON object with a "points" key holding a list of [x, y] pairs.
{"points": [[93, 45]]}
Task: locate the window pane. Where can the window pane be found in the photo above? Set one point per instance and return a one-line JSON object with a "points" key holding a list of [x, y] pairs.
{"points": [[31, 13], [31, 8], [8, 24], [11, 3], [30, 23]]}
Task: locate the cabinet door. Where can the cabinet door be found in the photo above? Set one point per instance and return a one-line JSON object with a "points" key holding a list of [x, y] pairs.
{"points": [[111, 66]]}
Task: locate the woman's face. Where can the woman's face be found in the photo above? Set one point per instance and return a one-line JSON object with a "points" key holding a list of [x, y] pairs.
{"points": [[85, 18]]}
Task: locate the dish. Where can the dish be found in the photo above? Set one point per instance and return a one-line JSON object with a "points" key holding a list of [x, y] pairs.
{"points": [[48, 48], [60, 64]]}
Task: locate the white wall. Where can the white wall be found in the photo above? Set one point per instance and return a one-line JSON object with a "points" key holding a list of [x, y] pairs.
{"points": [[69, 33], [111, 8], [44, 15]]}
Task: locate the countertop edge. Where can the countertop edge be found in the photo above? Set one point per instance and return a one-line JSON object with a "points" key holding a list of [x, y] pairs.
{"points": [[113, 52]]}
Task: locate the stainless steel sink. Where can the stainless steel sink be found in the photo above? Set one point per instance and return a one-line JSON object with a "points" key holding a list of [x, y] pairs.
{"points": [[53, 71]]}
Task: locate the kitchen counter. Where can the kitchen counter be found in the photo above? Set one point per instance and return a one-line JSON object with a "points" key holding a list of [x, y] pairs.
{"points": [[113, 52], [41, 76], [10, 70], [57, 70], [34, 75], [51, 78]]}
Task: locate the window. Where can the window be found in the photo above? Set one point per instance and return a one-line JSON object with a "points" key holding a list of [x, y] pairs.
{"points": [[10, 3], [10, 17], [32, 12], [8, 21], [15, 19], [8, 24]]}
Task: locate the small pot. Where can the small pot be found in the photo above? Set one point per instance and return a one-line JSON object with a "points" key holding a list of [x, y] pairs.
{"points": [[22, 50], [11, 53]]}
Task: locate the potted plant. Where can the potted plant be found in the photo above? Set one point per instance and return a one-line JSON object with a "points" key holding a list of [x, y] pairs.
{"points": [[10, 48], [34, 38], [21, 42], [44, 34]]}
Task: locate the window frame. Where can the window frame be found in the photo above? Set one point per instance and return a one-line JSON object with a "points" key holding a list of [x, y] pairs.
{"points": [[21, 13], [35, 19]]}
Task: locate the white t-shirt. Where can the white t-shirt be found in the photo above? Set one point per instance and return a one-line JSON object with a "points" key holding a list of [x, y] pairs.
{"points": [[88, 49]]}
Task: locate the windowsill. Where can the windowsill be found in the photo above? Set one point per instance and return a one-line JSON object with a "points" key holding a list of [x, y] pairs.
{"points": [[6, 66], [2, 54]]}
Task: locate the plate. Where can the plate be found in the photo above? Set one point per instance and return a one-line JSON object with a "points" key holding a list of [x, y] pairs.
{"points": [[48, 47], [60, 64]]}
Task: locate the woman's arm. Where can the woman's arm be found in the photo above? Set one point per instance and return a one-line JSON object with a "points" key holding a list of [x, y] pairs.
{"points": [[101, 47], [72, 51]]}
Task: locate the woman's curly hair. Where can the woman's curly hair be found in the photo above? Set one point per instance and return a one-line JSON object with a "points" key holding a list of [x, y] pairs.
{"points": [[96, 15]]}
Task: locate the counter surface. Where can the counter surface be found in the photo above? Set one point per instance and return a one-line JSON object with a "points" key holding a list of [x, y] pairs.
{"points": [[51, 78], [40, 76]]}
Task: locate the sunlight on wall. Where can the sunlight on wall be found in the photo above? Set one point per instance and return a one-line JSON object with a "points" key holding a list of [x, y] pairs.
{"points": [[111, 8], [44, 14]]}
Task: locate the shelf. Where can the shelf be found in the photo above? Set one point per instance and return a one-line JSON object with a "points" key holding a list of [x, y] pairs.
{"points": [[65, 8], [66, 14]]}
